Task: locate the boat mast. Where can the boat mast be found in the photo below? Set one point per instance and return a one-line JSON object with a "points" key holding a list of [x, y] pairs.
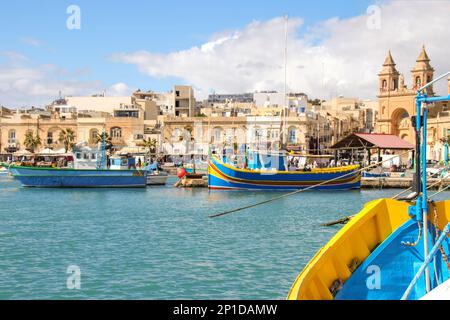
{"points": [[420, 210], [286, 101]]}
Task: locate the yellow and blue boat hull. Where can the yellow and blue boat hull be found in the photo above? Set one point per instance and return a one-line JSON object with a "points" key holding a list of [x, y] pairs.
{"points": [[375, 256], [226, 177]]}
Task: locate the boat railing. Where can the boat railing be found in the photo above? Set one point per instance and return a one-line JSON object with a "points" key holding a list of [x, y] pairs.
{"points": [[427, 261]]}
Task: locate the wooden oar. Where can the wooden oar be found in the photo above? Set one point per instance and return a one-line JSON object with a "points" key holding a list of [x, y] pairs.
{"points": [[339, 221]]}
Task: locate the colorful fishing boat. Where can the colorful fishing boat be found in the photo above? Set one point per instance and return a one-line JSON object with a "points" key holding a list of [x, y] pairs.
{"points": [[268, 172], [78, 178], [93, 175], [390, 250]]}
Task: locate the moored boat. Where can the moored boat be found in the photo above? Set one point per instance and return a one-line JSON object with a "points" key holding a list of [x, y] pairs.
{"points": [[225, 176], [78, 178], [156, 178], [94, 173]]}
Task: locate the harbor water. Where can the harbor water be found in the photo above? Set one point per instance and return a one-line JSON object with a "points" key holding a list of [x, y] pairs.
{"points": [[158, 243]]}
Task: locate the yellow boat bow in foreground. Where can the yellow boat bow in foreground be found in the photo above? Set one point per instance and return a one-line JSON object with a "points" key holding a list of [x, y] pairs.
{"points": [[327, 273]]}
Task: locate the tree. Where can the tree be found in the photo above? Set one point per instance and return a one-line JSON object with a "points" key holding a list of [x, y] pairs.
{"points": [[32, 142], [150, 144], [108, 140], [67, 137]]}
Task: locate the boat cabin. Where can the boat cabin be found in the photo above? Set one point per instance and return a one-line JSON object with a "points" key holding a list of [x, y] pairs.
{"points": [[122, 163], [85, 158], [257, 160]]}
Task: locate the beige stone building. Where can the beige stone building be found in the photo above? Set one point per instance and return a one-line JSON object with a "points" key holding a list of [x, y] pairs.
{"points": [[397, 99], [46, 125], [361, 114], [305, 132], [126, 127], [180, 101], [397, 104]]}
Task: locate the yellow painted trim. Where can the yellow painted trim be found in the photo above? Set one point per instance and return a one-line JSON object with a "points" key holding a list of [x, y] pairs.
{"points": [[318, 170], [227, 178]]}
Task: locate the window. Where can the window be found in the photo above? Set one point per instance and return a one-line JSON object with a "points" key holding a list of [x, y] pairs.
{"points": [[12, 136], [177, 93], [93, 156], [93, 135], [49, 137], [292, 135], [116, 133], [384, 85], [78, 155], [217, 135], [418, 82]]}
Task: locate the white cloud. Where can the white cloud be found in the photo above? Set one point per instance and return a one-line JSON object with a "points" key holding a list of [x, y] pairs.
{"points": [[119, 90], [32, 41], [24, 84], [337, 56]]}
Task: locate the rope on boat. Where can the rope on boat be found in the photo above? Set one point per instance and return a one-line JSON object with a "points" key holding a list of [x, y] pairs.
{"points": [[442, 190], [441, 248], [419, 236], [301, 190], [424, 265], [430, 186], [347, 218]]}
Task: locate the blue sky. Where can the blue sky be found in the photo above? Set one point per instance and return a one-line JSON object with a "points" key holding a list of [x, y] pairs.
{"points": [[151, 33], [108, 27]]}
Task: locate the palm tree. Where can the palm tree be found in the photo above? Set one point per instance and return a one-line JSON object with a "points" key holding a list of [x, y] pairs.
{"points": [[67, 137], [108, 140], [32, 142], [150, 144]]}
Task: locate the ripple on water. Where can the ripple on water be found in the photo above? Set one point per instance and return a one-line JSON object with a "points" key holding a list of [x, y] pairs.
{"points": [[159, 243]]}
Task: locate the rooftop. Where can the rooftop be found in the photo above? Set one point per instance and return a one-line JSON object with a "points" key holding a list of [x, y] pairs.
{"points": [[372, 140]]}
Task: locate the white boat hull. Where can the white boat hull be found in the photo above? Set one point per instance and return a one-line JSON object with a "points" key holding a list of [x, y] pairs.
{"points": [[156, 179]]}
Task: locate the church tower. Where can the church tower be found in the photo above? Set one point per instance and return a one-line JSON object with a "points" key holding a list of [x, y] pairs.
{"points": [[388, 76], [422, 72]]}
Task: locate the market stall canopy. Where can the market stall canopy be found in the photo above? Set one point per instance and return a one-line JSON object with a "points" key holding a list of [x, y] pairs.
{"points": [[132, 150], [60, 151], [22, 153], [372, 141], [47, 151]]}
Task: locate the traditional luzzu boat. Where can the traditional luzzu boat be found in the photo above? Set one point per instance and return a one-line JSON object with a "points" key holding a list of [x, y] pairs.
{"points": [[390, 250], [99, 177], [268, 172]]}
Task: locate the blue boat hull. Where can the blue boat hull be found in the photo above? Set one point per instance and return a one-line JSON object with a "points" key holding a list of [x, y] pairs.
{"points": [[390, 257], [70, 178], [226, 177]]}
